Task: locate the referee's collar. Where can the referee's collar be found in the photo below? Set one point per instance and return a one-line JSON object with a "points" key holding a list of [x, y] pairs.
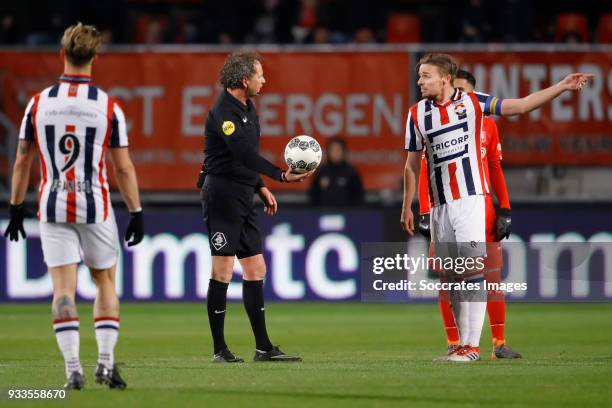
{"points": [[79, 79], [236, 102]]}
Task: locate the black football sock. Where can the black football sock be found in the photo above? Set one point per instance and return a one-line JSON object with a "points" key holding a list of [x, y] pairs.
{"points": [[252, 296], [216, 301]]}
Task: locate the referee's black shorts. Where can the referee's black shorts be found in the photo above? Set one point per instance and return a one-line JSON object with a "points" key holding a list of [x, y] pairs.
{"points": [[230, 217]]}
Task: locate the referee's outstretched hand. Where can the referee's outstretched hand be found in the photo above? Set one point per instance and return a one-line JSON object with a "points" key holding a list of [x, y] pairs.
{"points": [[291, 177]]}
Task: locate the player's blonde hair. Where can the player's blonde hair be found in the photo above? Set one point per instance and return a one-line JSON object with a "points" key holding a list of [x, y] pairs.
{"points": [[445, 63], [81, 43]]}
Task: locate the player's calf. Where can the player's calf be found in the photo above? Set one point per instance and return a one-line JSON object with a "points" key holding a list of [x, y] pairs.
{"points": [[66, 327]]}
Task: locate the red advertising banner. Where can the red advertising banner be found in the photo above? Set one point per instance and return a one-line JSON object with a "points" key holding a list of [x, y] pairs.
{"points": [[575, 129], [362, 96]]}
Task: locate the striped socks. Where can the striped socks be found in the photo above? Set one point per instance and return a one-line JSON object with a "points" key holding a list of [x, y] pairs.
{"points": [[67, 335], [107, 332]]}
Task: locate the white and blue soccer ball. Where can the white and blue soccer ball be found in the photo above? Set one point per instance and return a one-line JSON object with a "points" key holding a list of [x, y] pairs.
{"points": [[303, 153]]}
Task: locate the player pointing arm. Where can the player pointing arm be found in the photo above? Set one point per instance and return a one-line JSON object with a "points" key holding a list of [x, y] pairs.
{"points": [[447, 123], [572, 82], [506, 107]]}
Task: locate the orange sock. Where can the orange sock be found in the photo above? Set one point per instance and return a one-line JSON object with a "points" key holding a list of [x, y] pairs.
{"points": [[452, 334], [497, 318]]}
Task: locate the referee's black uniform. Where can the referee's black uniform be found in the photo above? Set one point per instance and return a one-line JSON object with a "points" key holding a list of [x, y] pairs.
{"points": [[232, 165]]}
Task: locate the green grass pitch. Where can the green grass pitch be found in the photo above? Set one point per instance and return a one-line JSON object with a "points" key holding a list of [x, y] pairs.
{"points": [[355, 355]]}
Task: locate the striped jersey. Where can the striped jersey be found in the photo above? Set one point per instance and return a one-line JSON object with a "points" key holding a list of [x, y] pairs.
{"points": [[451, 136], [72, 123], [490, 151]]}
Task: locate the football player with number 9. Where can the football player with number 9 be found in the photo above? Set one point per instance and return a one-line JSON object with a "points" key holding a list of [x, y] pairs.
{"points": [[72, 125]]}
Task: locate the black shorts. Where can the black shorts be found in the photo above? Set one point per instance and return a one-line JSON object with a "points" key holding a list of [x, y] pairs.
{"points": [[230, 217]]}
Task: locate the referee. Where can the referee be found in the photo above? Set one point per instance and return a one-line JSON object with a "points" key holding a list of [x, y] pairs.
{"points": [[230, 176]]}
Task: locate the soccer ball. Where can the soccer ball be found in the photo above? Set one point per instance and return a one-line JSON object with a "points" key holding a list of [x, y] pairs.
{"points": [[302, 154]]}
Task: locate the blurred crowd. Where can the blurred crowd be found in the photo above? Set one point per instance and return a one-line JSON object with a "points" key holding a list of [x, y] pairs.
{"points": [[31, 23]]}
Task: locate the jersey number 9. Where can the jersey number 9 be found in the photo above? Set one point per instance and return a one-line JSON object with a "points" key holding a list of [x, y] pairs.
{"points": [[69, 145]]}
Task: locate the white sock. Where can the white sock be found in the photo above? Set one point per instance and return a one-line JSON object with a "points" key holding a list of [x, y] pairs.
{"points": [[477, 317], [107, 332], [461, 311], [67, 335]]}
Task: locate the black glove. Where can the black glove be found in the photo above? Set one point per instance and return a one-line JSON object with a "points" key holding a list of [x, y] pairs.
{"points": [[423, 226], [503, 223], [135, 229], [17, 213]]}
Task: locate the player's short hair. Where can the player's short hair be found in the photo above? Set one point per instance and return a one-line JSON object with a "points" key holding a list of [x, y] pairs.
{"points": [[445, 63], [463, 74], [81, 43], [238, 65]]}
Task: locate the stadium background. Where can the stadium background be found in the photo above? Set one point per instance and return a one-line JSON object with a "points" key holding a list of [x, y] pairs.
{"points": [[333, 68]]}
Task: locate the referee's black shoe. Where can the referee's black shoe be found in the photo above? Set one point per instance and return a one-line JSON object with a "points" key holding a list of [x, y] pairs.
{"points": [[109, 377], [276, 354], [226, 356], [75, 381]]}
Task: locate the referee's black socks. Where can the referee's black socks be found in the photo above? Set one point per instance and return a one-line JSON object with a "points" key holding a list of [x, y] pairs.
{"points": [[253, 298], [216, 302]]}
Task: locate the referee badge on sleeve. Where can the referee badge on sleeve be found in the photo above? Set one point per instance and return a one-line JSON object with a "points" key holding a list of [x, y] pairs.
{"points": [[228, 127]]}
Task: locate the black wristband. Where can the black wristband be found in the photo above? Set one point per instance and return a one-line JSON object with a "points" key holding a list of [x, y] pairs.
{"points": [[503, 212], [16, 209]]}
